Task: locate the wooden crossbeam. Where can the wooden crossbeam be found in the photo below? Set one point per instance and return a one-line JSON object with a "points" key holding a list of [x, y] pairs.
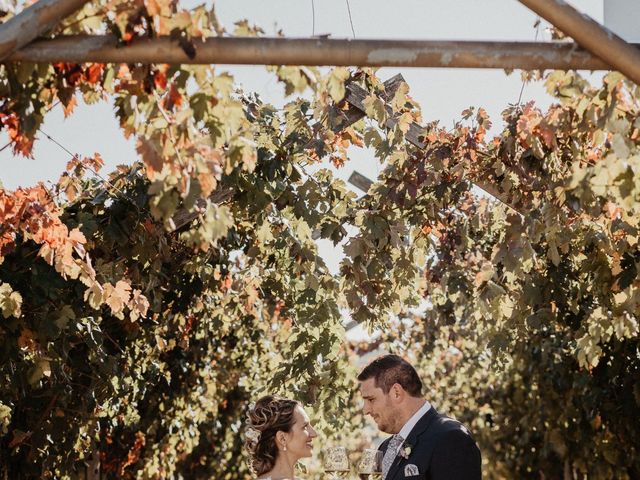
{"points": [[316, 51], [32, 22], [356, 96], [590, 35]]}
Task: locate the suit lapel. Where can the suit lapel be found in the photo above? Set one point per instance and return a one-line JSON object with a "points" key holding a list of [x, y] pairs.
{"points": [[423, 424]]}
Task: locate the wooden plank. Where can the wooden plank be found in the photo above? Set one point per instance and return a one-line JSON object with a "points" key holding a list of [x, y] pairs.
{"points": [[315, 51], [183, 217], [589, 34], [357, 96], [354, 98], [34, 21], [414, 135]]}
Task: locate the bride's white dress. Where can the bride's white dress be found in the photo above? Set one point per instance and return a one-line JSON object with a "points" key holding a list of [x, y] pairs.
{"points": [[269, 478]]}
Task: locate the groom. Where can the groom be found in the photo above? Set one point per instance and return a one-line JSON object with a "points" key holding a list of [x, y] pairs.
{"points": [[425, 444]]}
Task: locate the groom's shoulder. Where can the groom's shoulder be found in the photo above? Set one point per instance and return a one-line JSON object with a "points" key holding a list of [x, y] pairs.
{"points": [[444, 425]]}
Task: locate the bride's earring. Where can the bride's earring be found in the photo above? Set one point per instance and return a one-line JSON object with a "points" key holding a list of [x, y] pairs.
{"points": [[284, 448]]}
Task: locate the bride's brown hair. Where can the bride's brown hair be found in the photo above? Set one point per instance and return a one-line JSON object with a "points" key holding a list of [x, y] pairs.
{"points": [[270, 415]]}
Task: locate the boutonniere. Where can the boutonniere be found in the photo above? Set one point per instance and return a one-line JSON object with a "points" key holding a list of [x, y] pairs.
{"points": [[405, 450]]}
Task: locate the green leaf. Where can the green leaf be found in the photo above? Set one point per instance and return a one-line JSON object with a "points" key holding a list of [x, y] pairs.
{"points": [[335, 83], [10, 301]]}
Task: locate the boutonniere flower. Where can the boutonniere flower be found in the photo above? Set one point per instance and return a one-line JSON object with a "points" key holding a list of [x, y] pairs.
{"points": [[405, 450]]}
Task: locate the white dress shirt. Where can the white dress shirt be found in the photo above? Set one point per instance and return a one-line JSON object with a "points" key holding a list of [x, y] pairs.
{"points": [[406, 429]]}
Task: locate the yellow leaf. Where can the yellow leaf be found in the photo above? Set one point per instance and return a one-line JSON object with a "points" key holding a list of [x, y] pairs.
{"points": [[10, 301]]}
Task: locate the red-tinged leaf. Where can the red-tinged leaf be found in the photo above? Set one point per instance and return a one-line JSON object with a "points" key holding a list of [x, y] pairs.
{"points": [[337, 161], [134, 454], [7, 206], [173, 98], [93, 74], [117, 297], [160, 80], [77, 237], [73, 164], [613, 210], [27, 342], [123, 72], [21, 144], [153, 7], [68, 185], [150, 155], [139, 305], [159, 7], [75, 76], [353, 137], [69, 106], [548, 135], [96, 162]]}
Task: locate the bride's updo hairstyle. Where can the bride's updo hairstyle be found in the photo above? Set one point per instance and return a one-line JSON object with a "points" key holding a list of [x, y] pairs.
{"points": [[267, 417]]}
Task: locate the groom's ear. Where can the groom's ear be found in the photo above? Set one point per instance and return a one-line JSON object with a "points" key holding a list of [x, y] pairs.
{"points": [[396, 392]]}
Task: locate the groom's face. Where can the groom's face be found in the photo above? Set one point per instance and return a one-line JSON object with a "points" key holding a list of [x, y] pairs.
{"points": [[379, 406]]}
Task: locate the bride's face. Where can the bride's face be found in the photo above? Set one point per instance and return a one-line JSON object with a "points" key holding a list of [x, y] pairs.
{"points": [[300, 438]]}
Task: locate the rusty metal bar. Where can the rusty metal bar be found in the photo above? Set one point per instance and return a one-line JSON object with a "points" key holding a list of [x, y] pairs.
{"points": [[592, 36], [33, 21], [320, 51]]}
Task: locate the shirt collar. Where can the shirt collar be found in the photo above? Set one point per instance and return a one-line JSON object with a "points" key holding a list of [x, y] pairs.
{"points": [[406, 430]]}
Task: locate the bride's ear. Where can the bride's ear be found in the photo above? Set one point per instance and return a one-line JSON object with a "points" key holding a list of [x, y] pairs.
{"points": [[281, 439]]}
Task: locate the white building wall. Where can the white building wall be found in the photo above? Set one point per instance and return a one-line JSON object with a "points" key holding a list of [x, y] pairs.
{"points": [[623, 18]]}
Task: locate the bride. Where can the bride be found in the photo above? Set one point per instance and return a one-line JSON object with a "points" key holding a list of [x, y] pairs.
{"points": [[278, 434]]}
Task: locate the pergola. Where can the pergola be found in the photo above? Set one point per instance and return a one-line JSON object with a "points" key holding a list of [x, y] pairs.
{"points": [[595, 48]]}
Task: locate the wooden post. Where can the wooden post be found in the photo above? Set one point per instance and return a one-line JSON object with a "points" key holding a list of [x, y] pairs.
{"points": [[590, 35], [32, 22], [93, 465], [356, 96]]}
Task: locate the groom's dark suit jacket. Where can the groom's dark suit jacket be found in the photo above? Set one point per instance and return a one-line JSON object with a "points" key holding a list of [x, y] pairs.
{"points": [[441, 449]]}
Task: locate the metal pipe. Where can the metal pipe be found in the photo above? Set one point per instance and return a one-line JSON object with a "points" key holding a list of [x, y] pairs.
{"points": [[320, 51], [592, 36], [33, 21]]}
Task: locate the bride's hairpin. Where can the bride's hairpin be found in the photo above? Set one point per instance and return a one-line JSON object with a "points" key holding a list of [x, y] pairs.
{"points": [[252, 434]]}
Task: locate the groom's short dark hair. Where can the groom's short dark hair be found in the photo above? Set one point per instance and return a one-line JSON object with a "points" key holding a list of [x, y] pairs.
{"points": [[388, 370]]}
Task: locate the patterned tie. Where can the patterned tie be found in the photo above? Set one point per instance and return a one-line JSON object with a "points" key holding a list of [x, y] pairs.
{"points": [[390, 454]]}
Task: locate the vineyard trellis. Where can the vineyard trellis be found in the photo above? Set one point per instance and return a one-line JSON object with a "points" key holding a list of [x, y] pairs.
{"points": [[142, 313]]}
